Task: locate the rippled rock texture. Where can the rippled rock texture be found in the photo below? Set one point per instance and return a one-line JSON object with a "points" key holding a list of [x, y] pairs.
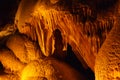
{"points": [[44, 28]]}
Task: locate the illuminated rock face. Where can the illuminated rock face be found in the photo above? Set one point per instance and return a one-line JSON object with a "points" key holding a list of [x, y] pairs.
{"points": [[24, 49], [107, 65], [50, 69], [27, 63], [78, 25], [10, 62]]}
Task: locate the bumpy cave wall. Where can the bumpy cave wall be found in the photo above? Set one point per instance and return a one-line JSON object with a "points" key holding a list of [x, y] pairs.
{"points": [[107, 66], [86, 26]]}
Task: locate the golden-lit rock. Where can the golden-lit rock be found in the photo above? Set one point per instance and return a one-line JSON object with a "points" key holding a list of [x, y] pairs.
{"points": [[16, 44], [28, 9], [107, 66], [80, 26], [10, 62], [7, 30], [24, 49], [84, 30], [38, 69], [9, 77], [50, 69], [45, 21], [54, 1]]}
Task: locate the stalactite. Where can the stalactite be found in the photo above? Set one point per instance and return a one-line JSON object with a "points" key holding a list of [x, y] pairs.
{"points": [[79, 25]]}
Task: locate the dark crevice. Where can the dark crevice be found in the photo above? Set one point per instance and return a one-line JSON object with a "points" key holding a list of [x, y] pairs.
{"points": [[58, 52], [72, 60], [69, 56], [1, 68], [7, 11], [105, 5]]}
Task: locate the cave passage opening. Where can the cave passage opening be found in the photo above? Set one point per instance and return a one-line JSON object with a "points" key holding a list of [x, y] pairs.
{"points": [[69, 56]]}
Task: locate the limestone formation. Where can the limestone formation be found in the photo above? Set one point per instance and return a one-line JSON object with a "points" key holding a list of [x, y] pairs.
{"points": [[10, 62], [50, 69], [24, 49], [35, 46], [86, 37]]}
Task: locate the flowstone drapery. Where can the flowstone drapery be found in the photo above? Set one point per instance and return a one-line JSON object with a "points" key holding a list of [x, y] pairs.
{"points": [[42, 30]]}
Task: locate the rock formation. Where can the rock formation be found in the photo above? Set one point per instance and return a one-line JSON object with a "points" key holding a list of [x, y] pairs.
{"points": [[107, 66], [43, 28]]}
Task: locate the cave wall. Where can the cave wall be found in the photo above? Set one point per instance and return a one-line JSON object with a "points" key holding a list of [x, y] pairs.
{"points": [[107, 66], [81, 26], [88, 27]]}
